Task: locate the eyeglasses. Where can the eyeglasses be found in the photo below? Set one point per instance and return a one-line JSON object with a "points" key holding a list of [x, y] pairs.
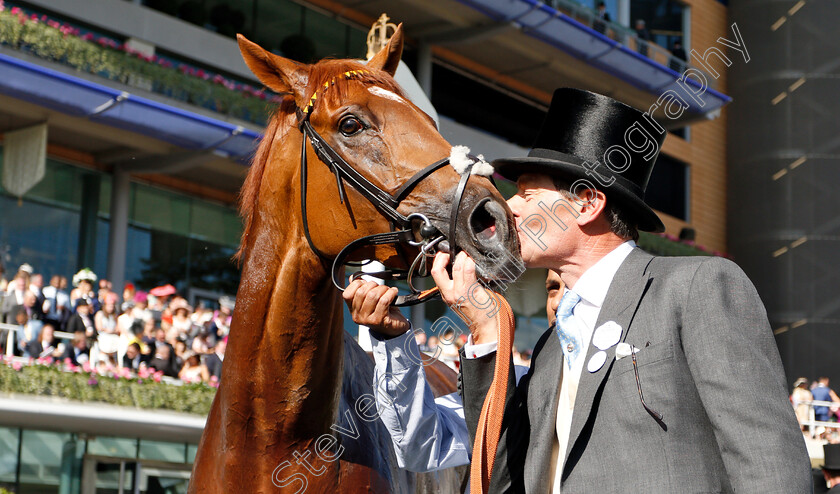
{"points": [[653, 413]]}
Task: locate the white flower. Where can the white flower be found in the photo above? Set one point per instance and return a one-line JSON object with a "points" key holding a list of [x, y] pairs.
{"points": [[459, 159], [623, 350]]}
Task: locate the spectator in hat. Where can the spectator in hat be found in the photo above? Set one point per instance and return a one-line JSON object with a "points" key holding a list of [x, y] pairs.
{"points": [[701, 331], [801, 398], [129, 291], [831, 467], [181, 311], [193, 370], [82, 320], [83, 281], [220, 325]]}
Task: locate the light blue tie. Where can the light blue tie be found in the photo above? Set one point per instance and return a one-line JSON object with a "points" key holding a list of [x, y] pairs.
{"points": [[567, 327]]}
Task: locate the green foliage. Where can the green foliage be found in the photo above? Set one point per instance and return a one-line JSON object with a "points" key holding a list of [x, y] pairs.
{"points": [[103, 58], [49, 380], [662, 246]]}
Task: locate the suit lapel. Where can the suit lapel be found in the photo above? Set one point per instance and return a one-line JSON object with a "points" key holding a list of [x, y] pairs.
{"points": [[622, 300], [543, 396]]}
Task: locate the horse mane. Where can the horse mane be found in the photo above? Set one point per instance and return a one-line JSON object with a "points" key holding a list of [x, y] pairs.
{"points": [[325, 71]]}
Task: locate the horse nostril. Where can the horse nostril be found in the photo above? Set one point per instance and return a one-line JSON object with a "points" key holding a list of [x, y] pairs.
{"points": [[482, 221]]}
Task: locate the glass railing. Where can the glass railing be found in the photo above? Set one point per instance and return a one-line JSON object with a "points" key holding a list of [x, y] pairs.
{"points": [[626, 36]]}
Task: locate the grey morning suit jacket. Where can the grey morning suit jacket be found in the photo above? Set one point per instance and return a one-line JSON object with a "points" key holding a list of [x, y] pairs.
{"points": [[708, 363]]}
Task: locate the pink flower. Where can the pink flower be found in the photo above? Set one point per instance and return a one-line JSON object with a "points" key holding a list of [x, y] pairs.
{"points": [[34, 18], [16, 365], [53, 24], [92, 381], [88, 37], [158, 375], [86, 366], [2, 7]]}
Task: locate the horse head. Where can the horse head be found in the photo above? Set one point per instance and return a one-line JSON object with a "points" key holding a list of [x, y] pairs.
{"points": [[344, 123]]}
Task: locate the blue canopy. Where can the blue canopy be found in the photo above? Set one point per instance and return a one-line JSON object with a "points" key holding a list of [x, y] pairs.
{"points": [[100, 103]]}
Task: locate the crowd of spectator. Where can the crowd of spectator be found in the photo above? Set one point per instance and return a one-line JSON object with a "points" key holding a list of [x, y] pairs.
{"points": [[156, 330], [825, 410]]}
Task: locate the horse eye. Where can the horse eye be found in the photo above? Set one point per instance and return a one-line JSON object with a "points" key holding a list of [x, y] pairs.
{"points": [[350, 125]]}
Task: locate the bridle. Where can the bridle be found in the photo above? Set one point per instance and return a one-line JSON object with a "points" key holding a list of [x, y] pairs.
{"points": [[402, 227]]}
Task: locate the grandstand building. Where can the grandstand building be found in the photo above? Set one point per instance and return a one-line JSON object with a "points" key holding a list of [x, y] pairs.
{"points": [[147, 116]]}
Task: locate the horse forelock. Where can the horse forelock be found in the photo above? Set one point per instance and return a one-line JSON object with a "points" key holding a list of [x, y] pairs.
{"points": [[330, 72]]}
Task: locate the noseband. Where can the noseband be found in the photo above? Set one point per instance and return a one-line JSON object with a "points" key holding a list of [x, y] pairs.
{"points": [[402, 227]]}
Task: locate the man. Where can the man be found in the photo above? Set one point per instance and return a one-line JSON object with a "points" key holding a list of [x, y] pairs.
{"points": [[693, 334], [162, 361], [643, 36], [601, 18], [78, 352], [56, 303], [831, 467], [133, 357], [214, 360], [822, 392], [428, 433], [82, 319], [677, 63]]}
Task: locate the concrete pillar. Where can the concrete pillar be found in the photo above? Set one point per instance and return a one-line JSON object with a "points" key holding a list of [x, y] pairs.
{"points": [[86, 255], [424, 67], [623, 17], [118, 234]]}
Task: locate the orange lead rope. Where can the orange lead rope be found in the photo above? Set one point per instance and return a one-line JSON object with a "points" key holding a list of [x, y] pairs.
{"points": [[490, 422]]}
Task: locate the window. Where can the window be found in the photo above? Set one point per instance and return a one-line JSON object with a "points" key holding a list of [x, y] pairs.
{"points": [[668, 187], [663, 18]]}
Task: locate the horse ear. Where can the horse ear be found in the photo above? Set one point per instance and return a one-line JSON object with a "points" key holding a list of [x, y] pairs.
{"points": [[388, 58], [279, 74]]}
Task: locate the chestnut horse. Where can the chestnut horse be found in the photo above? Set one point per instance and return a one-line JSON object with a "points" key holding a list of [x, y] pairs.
{"points": [[290, 414]]}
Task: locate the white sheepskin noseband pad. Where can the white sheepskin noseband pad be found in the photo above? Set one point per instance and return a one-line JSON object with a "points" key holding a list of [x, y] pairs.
{"points": [[459, 159]]}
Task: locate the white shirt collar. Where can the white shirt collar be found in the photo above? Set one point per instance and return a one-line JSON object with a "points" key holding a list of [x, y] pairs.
{"points": [[592, 286]]}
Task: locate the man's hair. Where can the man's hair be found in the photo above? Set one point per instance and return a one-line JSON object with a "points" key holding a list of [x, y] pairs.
{"points": [[832, 472], [620, 221]]}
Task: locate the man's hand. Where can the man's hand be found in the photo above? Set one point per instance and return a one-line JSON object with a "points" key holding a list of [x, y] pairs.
{"points": [[461, 290], [370, 305]]}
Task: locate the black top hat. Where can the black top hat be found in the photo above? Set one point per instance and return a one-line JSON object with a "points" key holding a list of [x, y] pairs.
{"points": [[832, 456], [593, 137]]}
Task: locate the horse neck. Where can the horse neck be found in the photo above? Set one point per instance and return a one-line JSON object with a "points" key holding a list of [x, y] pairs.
{"points": [[285, 352]]}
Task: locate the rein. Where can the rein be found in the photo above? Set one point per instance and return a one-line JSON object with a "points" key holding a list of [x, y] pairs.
{"points": [[402, 227]]}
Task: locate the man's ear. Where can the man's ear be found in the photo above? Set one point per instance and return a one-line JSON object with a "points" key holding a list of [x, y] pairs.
{"points": [[592, 203], [279, 74], [388, 58]]}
